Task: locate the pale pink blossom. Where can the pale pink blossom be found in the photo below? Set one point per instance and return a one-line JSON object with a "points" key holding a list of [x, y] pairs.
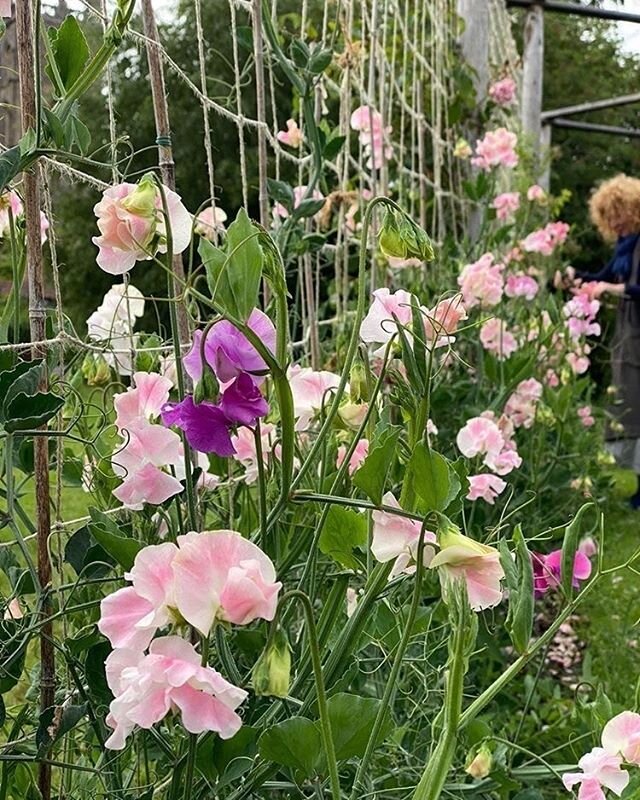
{"points": [[588, 546], [581, 312], [481, 282], [599, 769], [13, 609], [505, 461], [521, 285], [220, 574], [520, 407], [5, 8], [497, 148], [133, 228], [551, 379], [621, 736], [312, 390], [210, 222], [9, 200], [515, 254], [536, 194], [352, 601], [373, 136], [244, 444], [379, 325], [496, 339], [353, 414], [585, 416], [579, 360], [441, 322], [402, 263], [545, 240], [503, 92], [486, 487], [478, 565], [144, 400], [169, 678], [357, 457], [396, 538], [292, 137], [112, 325], [506, 204], [480, 436]]}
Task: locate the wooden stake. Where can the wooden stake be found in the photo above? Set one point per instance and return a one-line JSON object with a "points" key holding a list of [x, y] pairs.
{"points": [[37, 319], [163, 139], [533, 66]]}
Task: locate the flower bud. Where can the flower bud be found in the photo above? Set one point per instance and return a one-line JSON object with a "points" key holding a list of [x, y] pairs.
{"points": [[390, 239], [352, 414], [272, 671], [480, 765], [142, 201], [95, 370], [358, 387], [207, 387]]}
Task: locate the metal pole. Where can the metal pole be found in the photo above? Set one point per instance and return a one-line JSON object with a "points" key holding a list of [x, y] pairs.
{"points": [[533, 63], [595, 105], [579, 10]]}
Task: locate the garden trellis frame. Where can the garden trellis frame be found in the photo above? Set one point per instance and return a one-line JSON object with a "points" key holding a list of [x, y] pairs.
{"points": [[382, 42]]}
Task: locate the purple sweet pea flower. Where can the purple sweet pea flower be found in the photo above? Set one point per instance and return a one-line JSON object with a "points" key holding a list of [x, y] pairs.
{"points": [[228, 352], [242, 402], [205, 425]]}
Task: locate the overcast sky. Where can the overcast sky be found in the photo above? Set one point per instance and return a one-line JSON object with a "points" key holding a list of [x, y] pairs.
{"points": [[630, 31]]}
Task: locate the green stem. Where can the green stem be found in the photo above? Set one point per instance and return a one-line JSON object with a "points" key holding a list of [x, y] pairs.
{"points": [[8, 478], [323, 709], [435, 773], [262, 486], [393, 675]]}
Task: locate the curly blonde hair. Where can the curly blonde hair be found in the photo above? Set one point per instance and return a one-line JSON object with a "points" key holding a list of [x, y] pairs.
{"points": [[614, 206]]}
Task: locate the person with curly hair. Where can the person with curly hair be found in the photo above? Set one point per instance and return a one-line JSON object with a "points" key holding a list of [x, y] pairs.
{"points": [[615, 211]]}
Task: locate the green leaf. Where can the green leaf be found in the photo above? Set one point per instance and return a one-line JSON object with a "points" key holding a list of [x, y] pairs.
{"points": [[320, 60], [86, 556], [344, 530], [569, 547], [3, 712], [94, 672], [372, 474], [28, 412], [244, 267], [333, 147], [351, 719], [27, 383], [281, 192], [11, 657], [70, 51], [521, 597], [55, 128], [122, 549], [55, 722], [9, 376], [9, 165], [233, 757], [307, 208], [80, 134], [434, 483], [295, 743]]}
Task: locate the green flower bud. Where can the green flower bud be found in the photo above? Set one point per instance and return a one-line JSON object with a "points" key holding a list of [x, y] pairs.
{"points": [[400, 237], [390, 239], [95, 370], [142, 201], [207, 387], [358, 387], [147, 360], [271, 674]]}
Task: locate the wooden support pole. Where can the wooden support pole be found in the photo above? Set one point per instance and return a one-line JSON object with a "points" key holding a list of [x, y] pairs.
{"points": [[532, 75], [474, 42], [163, 139], [37, 318]]}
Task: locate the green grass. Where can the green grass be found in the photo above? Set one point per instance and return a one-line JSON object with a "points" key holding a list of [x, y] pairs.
{"points": [[611, 613]]}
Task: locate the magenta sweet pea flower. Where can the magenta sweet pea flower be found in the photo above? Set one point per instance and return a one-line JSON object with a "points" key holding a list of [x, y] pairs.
{"points": [[243, 403], [205, 424], [547, 570], [228, 352]]}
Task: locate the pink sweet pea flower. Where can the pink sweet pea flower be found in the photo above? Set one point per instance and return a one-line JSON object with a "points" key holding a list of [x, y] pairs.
{"points": [[599, 769], [497, 148], [506, 204], [170, 677], [520, 407], [547, 570], [379, 326], [10, 199], [588, 546], [402, 263], [5, 8], [312, 390], [621, 736], [220, 574], [132, 225], [479, 436], [486, 487], [130, 617], [495, 338], [586, 417], [481, 283], [373, 135], [244, 444], [292, 137], [545, 240], [441, 322], [521, 285], [358, 456], [503, 92], [144, 400], [462, 558], [396, 538], [228, 351], [536, 194], [209, 222]]}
